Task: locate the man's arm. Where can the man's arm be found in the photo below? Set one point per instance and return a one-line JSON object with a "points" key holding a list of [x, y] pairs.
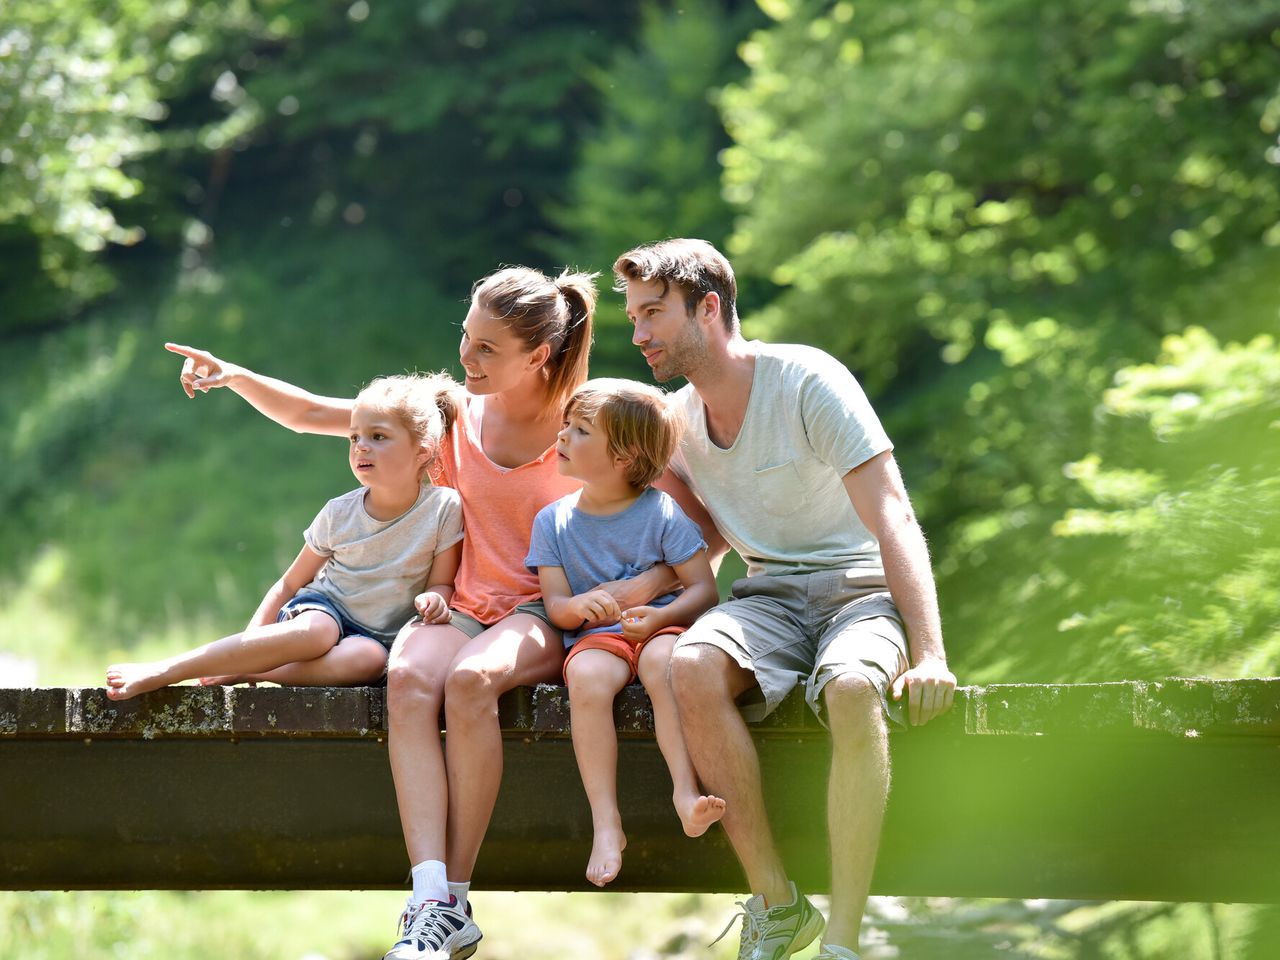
{"points": [[878, 496]]}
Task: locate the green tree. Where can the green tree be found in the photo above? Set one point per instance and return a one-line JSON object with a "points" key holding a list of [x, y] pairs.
{"points": [[650, 168]]}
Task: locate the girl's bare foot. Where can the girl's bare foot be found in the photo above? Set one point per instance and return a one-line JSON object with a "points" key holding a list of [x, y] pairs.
{"points": [[698, 815], [606, 854], [126, 680]]}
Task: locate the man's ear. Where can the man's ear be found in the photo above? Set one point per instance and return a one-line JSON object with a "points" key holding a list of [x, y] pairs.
{"points": [[710, 306]]}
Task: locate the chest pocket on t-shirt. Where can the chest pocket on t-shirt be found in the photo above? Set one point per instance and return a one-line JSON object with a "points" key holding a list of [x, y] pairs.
{"points": [[780, 488]]}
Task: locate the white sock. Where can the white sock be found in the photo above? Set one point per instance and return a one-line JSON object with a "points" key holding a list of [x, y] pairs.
{"points": [[460, 890], [429, 881]]}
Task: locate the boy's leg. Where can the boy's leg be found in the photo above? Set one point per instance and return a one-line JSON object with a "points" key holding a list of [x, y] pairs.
{"points": [[352, 662], [696, 811], [308, 635], [594, 678]]}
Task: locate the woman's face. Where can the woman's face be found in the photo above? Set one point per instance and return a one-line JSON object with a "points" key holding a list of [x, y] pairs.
{"points": [[493, 358]]}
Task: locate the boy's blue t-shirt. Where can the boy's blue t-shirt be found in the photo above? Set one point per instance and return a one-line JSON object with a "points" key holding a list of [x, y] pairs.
{"points": [[594, 549]]}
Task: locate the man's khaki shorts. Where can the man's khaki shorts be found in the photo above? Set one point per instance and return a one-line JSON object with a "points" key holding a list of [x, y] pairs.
{"points": [[808, 628]]}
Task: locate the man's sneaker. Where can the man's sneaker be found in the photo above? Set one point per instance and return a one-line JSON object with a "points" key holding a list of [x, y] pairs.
{"points": [[435, 930], [830, 951], [774, 933]]}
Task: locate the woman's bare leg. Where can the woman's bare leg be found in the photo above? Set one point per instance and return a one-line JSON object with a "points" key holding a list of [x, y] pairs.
{"points": [[416, 672], [594, 678], [522, 649], [308, 635]]}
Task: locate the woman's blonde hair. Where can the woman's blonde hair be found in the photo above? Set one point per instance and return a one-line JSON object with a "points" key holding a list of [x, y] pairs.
{"points": [[427, 404], [639, 423], [540, 310]]}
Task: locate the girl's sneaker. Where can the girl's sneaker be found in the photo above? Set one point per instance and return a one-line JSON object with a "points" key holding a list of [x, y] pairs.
{"points": [[435, 930]]}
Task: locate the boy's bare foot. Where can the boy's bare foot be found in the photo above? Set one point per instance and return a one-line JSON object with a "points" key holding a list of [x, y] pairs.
{"points": [[606, 854], [695, 817], [126, 680]]}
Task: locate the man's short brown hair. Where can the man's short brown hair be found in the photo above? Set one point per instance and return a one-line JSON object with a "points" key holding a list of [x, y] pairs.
{"points": [[695, 266], [639, 424]]}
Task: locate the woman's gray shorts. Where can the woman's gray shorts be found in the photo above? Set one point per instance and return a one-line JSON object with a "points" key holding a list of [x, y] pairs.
{"points": [[808, 628], [473, 627]]}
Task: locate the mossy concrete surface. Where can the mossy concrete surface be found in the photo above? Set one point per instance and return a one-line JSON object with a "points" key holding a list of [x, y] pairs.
{"points": [[1154, 791]]}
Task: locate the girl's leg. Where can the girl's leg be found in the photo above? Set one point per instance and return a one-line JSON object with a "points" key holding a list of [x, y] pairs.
{"points": [[416, 673], [594, 678], [522, 649], [308, 635], [352, 662], [697, 811]]}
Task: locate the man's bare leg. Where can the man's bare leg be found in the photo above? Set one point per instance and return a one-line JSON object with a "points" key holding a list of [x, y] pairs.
{"points": [[856, 794], [706, 683]]}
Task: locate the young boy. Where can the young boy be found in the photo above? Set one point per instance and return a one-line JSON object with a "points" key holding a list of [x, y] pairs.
{"points": [[617, 438]]}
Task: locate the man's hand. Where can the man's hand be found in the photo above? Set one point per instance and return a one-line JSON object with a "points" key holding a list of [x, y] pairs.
{"points": [[640, 623], [930, 688], [431, 607], [201, 370], [594, 608]]}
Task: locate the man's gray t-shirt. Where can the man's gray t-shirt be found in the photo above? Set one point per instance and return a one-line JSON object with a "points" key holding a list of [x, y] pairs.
{"points": [[377, 567], [593, 549], [777, 493]]}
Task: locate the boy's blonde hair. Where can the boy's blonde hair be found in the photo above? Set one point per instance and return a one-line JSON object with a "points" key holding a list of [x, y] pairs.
{"points": [[426, 403], [639, 424]]}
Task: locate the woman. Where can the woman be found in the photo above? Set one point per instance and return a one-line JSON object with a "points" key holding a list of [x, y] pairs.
{"points": [[524, 349]]}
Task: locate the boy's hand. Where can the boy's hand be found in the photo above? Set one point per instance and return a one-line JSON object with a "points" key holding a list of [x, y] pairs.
{"points": [[594, 608], [431, 608], [930, 688], [639, 623]]}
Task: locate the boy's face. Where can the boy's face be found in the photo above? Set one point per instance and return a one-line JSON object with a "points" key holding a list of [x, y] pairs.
{"points": [[582, 452]]}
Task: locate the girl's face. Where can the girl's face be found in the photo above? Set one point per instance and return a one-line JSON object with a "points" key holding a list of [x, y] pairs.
{"points": [[493, 358], [383, 452]]}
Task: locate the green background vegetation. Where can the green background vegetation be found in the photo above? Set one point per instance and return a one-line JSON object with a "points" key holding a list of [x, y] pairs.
{"points": [[1045, 238]]}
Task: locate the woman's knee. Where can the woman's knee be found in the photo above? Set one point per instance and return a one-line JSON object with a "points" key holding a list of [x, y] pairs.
{"points": [[415, 673]]}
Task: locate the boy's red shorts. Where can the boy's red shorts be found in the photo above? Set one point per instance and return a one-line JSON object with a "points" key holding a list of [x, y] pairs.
{"points": [[618, 645]]}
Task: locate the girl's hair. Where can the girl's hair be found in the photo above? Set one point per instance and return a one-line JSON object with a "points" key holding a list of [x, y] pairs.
{"points": [[640, 424], [426, 403], [540, 310]]}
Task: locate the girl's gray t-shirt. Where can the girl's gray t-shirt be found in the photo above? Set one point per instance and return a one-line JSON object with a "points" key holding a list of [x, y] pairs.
{"points": [[377, 567]]}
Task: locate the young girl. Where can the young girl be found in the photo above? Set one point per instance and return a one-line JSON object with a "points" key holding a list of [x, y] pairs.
{"points": [[372, 557], [617, 438]]}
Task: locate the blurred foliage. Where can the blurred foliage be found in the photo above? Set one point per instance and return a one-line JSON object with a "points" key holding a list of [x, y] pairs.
{"points": [[1010, 207], [650, 169]]}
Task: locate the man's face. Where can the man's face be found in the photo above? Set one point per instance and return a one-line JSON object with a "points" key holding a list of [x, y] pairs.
{"points": [[665, 331]]}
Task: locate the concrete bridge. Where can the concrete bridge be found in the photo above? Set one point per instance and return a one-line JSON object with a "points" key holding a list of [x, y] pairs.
{"points": [[1153, 791]]}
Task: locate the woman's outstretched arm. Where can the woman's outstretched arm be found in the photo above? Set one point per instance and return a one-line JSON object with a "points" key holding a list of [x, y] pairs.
{"points": [[289, 406]]}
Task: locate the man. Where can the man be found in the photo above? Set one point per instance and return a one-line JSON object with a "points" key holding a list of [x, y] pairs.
{"points": [[790, 461]]}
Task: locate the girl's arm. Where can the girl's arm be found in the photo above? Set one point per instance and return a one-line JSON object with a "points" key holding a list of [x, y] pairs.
{"points": [[569, 612], [287, 405], [699, 596], [302, 571], [433, 603]]}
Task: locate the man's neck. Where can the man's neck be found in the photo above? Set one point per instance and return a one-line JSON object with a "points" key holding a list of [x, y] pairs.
{"points": [[724, 385]]}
